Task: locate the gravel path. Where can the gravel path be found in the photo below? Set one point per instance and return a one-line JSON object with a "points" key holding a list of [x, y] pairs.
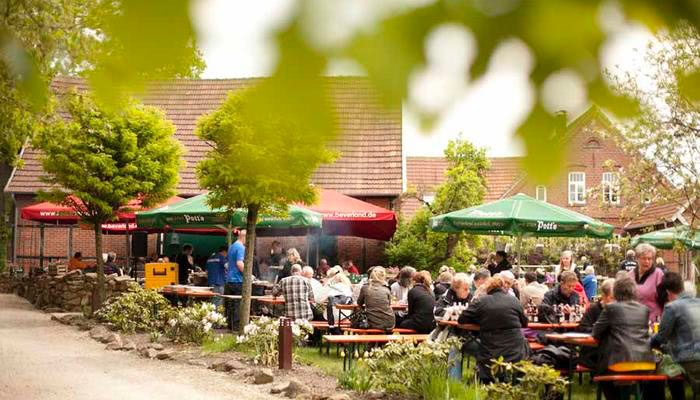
{"points": [[42, 359]]}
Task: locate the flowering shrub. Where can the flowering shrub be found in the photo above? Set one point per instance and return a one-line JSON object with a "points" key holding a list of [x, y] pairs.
{"points": [[262, 334], [404, 367], [136, 310], [193, 324], [524, 380]]}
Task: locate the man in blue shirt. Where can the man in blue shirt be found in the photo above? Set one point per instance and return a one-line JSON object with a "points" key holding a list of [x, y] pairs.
{"points": [[216, 273], [234, 279]]}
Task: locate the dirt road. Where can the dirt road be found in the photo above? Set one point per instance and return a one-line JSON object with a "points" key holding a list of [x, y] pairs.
{"points": [[43, 360]]}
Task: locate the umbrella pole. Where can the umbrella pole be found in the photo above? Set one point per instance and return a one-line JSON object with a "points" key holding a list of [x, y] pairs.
{"points": [[229, 235], [519, 245], [308, 244], [318, 248]]}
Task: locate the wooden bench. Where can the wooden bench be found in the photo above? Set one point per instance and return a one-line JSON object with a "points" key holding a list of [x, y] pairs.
{"points": [[630, 379], [353, 340], [396, 331]]}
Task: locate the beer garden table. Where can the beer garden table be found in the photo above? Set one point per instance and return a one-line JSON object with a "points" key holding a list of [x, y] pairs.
{"points": [[573, 341]]}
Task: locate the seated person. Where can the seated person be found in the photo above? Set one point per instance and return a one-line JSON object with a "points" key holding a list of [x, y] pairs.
{"points": [[590, 356], [110, 266], [623, 332], [510, 285], [400, 288], [443, 284], [339, 291], [679, 330], [501, 318], [76, 262], [308, 273], [375, 297], [421, 303], [533, 290], [297, 294], [458, 294], [562, 295], [479, 279]]}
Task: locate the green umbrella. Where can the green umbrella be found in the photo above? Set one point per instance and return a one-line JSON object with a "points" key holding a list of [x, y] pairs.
{"points": [[521, 215], [666, 238], [194, 213]]}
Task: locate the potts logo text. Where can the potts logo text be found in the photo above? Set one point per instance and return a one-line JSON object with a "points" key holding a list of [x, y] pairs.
{"points": [[546, 226], [193, 218]]}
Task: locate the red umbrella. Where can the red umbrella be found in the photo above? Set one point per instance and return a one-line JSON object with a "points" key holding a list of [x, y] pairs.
{"points": [[51, 213], [346, 216]]}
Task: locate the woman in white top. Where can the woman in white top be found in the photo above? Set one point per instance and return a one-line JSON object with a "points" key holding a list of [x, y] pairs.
{"points": [[339, 291], [400, 288]]}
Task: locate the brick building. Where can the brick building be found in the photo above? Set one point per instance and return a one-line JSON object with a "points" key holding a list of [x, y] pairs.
{"points": [[589, 145], [369, 168]]}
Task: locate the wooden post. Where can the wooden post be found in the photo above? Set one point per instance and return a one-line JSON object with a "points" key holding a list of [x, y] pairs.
{"points": [[128, 247], [41, 245], [364, 254], [285, 344]]}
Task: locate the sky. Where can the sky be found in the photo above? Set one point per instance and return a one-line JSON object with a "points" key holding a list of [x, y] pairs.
{"points": [[235, 40]]}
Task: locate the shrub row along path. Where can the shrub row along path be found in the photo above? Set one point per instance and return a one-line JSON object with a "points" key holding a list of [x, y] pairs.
{"points": [[42, 359]]}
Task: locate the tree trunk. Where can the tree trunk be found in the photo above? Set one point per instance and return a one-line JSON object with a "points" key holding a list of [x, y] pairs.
{"points": [[252, 221], [100, 266]]}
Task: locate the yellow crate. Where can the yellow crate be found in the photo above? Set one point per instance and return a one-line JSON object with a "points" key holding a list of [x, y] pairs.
{"points": [[160, 274]]}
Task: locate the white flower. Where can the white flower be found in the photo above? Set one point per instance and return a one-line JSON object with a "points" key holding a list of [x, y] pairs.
{"points": [[173, 322]]}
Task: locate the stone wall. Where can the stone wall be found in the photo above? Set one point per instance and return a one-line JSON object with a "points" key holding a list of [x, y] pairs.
{"points": [[71, 292]]}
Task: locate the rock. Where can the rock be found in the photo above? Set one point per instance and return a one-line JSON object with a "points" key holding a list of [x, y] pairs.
{"points": [[99, 333], [116, 345], [165, 355], [339, 396], [228, 365], [292, 389], [113, 337], [156, 346], [129, 346], [263, 376], [198, 363], [148, 353]]}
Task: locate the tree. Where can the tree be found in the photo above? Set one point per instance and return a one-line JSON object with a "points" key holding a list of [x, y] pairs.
{"points": [[664, 138], [465, 186], [261, 163], [99, 160], [44, 38]]}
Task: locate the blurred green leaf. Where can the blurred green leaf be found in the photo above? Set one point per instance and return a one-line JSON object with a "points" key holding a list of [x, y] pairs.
{"points": [[544, 144], [619, 103], [689, 85], [23, 70]]}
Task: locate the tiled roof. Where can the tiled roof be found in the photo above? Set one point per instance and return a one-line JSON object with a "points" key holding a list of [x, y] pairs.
{"points": [[425, 173], [654, 214], [370, 139]]}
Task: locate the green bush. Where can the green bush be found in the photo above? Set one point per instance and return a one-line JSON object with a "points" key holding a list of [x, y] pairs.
{"points": [[525, 381], [193, 324], [439, 387], [357, 379], [136, 310], [262, 334], [404, 367]]}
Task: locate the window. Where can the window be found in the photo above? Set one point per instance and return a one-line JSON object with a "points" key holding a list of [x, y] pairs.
{"points": [[611, 188], [541, 193], [577, 188], [428, 198]]}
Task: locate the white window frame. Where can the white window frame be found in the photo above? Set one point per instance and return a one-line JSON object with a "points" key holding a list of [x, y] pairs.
{"points": [[537, 192], [610, 182], [578, 195]]}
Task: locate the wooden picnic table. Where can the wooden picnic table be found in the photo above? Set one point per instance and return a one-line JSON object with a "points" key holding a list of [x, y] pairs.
{"points": [[190, 295], [345, 311], [572, 341], [353, 340]]}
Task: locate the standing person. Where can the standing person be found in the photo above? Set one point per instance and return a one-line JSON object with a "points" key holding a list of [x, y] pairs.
{"points": [[375, 297], [216, 273], [623, 332], [628, 264], [400, 288], [566, 263], [276, 253], [421, 303], [293, 257], [533, 290], [322, 269], [502, 263], [680, 328], [590, 282], [648, 278], [185, 264], [234, 279], [500, 318], [298, 295]]}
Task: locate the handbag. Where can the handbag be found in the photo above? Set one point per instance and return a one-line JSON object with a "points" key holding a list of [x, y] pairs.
{"points": [[358, 320]]}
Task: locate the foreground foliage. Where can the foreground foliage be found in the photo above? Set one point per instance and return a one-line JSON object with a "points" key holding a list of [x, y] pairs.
{"points": [[262, 335], [524, 380], [194, 324]]}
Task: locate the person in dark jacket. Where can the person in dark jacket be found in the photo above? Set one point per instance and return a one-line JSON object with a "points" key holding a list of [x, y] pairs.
{"points": [[623, 332], [185, 264], [500, 317], [421, 303], [375, 297], [590, 356], [443, 284], [561, 295]]}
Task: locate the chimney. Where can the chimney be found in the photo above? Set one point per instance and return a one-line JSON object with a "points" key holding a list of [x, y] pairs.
{"points": [[560, 122]]}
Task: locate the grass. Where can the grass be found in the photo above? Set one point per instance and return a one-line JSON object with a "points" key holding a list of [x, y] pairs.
{"points": [[330, 365], [220, 344]]}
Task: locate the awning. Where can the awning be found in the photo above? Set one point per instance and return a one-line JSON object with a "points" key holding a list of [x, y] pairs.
{"points": [[56, 214], [346, 216]]}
